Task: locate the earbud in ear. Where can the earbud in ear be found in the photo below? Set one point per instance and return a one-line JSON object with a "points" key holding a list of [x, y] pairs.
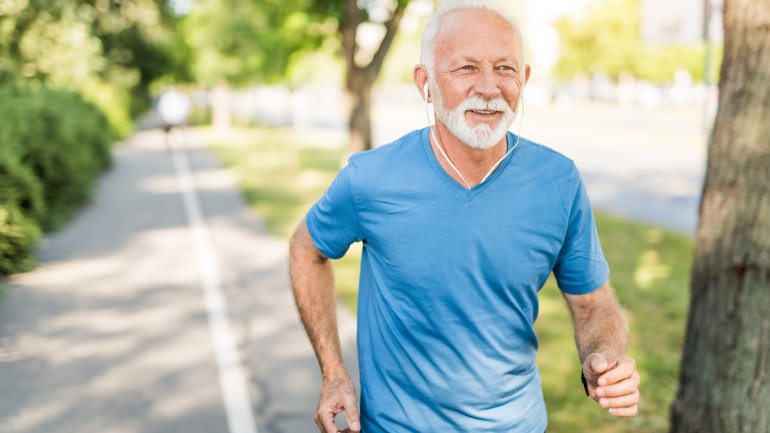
{"points": [[425, 91]]}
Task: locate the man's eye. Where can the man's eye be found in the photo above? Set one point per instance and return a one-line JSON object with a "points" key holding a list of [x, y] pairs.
{"points": [[506, 68], [467, 67]]}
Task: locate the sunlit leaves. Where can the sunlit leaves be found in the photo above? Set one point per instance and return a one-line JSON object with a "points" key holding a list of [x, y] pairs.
{"points": [[605, 39], [62, 50], [245, 41]]}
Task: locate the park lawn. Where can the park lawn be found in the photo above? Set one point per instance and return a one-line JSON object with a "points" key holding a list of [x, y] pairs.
{"points": [[282, 173]]}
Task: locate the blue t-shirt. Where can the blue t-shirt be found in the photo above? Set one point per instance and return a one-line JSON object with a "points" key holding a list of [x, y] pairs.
{"points": [[449, 281]]}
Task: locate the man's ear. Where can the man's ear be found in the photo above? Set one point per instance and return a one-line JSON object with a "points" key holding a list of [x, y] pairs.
{"points": [[527, 71], [420, 78]]}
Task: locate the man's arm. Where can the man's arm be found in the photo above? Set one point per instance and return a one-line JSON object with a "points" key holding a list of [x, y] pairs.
{"points": [[601, 333], [312, 280]]}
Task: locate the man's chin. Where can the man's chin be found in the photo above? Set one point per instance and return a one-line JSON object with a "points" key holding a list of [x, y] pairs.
{"points": [[477, 135], [485, 142]]}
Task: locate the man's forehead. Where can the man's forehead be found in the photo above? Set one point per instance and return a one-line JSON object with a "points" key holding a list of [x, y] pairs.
{"points": [[476, 58], [477, 35], [477, 27]]}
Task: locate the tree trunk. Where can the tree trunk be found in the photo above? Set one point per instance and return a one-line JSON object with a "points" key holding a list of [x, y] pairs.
{"points": [[725, 377], [360, 120], [360, 79]]}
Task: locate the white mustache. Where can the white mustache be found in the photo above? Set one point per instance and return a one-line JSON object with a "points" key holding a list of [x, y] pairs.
{"points": [[478, 103]]}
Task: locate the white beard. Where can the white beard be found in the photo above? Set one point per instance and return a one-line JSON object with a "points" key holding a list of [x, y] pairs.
{"points": [[478, 137]]}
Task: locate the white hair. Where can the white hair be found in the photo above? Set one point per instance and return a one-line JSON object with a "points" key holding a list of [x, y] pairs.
{"points": [[428, 43]]}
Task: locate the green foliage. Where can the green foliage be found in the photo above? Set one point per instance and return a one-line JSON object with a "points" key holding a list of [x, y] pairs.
{"points": [[607, 39], [108, 50], [17, 240], [18, 183], [246, 41], [53, 144], [322, 66], [114, 101], [243, 41]]}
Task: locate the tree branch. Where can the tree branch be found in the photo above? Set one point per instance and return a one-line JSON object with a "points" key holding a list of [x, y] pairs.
{"points": [[348, 27], [391, 26]]}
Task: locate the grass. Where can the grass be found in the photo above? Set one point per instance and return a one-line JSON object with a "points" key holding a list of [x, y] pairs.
{"points": [[283, 173], [650, 274]]}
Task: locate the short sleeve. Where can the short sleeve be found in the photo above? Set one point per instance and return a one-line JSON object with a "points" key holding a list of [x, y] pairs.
{"points": [[580, 267], [333, 220]]}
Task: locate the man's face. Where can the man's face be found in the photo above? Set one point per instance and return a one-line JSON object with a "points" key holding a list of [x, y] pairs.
{"points": [[478, 76]]}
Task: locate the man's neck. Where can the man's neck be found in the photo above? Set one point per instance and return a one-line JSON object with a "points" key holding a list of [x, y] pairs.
{"points": [[473, 163]]}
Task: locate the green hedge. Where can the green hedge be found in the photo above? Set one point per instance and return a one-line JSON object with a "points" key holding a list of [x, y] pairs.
{"points": [[53, 145]]}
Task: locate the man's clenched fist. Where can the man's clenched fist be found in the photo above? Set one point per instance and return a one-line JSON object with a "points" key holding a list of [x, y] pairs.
{"points": [[613, 382]]}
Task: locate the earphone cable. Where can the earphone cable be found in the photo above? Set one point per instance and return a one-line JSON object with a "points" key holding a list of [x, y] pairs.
{"points": [[494, 166]]}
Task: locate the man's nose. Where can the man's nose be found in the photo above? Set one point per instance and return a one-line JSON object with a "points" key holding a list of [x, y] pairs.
{"points": [[486, 86]]}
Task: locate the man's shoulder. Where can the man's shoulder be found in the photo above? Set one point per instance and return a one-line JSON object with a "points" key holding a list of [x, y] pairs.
{"points": [[401, 151], [542, 155], [544, 152]]}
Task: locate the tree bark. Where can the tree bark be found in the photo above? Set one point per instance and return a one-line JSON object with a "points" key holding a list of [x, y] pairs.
{"points": [[359, 80], [725, 375], [359, 122]]}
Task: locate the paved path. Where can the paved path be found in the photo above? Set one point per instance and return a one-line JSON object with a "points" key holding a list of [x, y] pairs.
{"points": [[111, 333]]}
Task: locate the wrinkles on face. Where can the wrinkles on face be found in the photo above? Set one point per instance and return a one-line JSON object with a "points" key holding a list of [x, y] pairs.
{"points": [[478, 54]]}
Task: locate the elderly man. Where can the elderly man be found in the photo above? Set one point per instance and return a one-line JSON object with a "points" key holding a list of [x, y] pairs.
{"points": [[461, 223]]}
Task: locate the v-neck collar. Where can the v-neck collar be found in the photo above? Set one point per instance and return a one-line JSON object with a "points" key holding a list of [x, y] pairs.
{"points": [[456, 187]]}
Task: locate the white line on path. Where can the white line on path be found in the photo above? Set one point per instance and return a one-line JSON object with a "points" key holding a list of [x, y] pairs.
{"points": [[232, 379]]}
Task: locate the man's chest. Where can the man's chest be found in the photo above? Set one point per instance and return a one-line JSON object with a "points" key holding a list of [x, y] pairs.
{"points": [[514, 234]]}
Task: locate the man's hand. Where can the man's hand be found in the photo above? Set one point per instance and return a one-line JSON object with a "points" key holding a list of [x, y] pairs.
{"points": [[337, 395], [613, 382]]}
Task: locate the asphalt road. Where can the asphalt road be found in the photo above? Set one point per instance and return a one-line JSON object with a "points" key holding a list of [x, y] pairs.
{"points": [[113, 332]]}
